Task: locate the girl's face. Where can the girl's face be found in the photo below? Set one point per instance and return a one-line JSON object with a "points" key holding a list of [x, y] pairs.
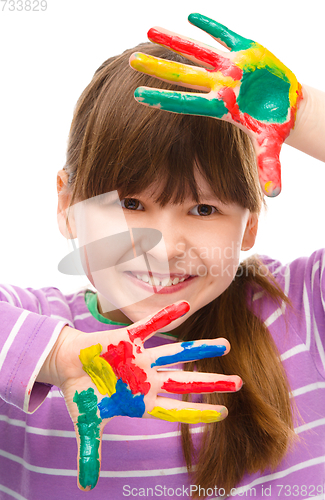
{"points": [[202, 244]]}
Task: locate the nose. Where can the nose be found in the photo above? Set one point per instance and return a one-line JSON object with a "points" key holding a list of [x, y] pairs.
{"points": [[173, 242]]}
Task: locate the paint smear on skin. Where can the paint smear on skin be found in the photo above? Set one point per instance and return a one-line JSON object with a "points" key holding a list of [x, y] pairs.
{"points": [[159, 320], [264, 96], [258, 57], [270, 139], [232, 40], [204, 54], [177, 72], [176, 387], [98, 369], [122, 403], [120, 357], [187, 416], [190, 353], [178, 102], [229, 98], [89, 432], [252, 56], [170, 70]]}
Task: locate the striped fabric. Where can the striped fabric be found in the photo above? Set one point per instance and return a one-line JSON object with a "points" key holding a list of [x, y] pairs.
{"points": [[144, 458]]}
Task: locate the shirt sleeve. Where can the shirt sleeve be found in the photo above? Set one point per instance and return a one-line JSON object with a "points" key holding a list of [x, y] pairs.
{"points": [[27, 336], [313, 306], [303, 281]]}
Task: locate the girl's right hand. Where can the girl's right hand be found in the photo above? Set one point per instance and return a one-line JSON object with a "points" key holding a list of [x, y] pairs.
{"points": [[107, 374]]}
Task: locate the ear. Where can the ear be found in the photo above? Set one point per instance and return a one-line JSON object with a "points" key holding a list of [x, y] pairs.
{"points": [[67, 227], [250, 232]]}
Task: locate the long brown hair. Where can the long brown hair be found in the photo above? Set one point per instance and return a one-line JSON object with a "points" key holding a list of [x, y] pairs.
{"points": [[117, 144]]}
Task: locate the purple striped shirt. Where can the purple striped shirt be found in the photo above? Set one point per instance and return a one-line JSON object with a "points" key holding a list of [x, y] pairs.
{"points": [[143, 458]]}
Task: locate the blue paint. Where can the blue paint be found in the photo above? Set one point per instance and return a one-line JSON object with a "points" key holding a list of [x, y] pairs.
{"points": [[122, 403], [190, 353]]}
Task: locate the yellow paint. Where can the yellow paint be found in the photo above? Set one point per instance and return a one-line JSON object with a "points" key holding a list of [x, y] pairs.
{"points": [[187, 416], [268, 186], [259, 57], [182, 73], [100, 372]]}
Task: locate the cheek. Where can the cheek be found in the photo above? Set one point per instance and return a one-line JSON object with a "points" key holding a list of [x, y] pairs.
{"points": [[222, 248], [221, 259]]}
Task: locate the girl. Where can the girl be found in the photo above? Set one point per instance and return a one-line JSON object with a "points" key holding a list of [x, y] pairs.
{"points": [[195, 180]]}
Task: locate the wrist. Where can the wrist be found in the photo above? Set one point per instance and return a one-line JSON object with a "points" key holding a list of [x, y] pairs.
{"points": [[309, 127], [301, 113], [49, 374]]}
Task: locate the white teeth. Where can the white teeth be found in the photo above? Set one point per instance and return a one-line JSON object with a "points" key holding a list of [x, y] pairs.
{"points": [[153, 280], [166, 282]]}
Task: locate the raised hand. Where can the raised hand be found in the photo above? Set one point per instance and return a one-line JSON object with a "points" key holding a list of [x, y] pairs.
{"points": [[248, 87], [124, 379]]}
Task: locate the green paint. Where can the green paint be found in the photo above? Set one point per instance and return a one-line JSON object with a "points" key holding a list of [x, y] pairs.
{"points": [[230, 38], [264, 96], [176, 102], [88, 427]]}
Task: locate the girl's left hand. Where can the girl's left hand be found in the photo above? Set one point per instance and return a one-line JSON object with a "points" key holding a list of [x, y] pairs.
{"points": [[248, 87]]}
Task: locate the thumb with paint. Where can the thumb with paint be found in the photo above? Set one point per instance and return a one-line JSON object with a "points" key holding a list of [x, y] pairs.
{"points": [[108, 374]]}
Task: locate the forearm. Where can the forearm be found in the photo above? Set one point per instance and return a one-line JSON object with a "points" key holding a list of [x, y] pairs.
{"points": [[308, 134], [26, 338]]}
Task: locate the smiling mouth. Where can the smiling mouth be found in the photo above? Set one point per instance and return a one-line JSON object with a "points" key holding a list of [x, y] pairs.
{"points": [[157, 281]]}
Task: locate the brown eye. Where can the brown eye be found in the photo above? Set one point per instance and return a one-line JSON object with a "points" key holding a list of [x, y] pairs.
{"points": [[205, 210], [130, 203]]}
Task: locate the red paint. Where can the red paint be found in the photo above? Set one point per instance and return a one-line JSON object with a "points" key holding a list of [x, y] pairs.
{"points": [[229, 98], [120, 357], [268, 136], [159, 320], [198, 387], [203, 54]]}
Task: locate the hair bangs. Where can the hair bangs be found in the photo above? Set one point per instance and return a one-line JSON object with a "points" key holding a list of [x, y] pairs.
{"points": [[129, 147]]}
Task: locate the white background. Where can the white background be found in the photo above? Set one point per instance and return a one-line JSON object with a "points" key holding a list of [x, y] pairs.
{"points": [[47, 59]]}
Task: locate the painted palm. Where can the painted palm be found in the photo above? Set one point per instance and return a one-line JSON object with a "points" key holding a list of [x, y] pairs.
{"points": [[248, 87], [127, 381]]}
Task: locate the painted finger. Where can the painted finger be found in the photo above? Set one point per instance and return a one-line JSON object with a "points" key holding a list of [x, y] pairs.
{"points": [[195, 51], [88, 431], [181, 102], [172, 72], [269, 169], [189, 413], [189, 351], [144, 329], [180, 382], [221, 33]]}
